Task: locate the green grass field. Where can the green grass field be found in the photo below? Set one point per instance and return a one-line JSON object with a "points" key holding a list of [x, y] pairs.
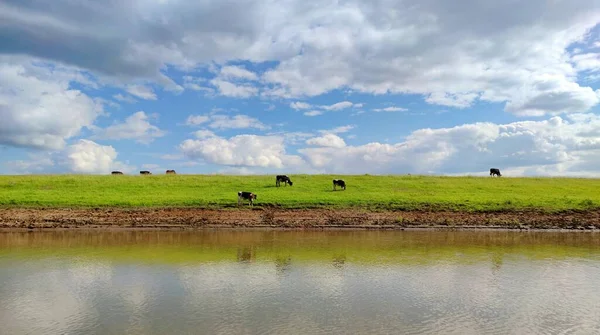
{"points": [[309, 191]]}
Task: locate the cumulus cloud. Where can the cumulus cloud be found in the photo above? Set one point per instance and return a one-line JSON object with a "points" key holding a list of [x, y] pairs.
{"points": [[235, 82], [556, 146], [241, 150], [135, 127], [448, 53], [39, 109], [91, 158], [327, 140], [83, 157]]}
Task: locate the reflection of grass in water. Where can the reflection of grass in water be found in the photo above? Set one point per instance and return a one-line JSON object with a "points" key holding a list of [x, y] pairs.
{"points": [[282, 254], [309, 191]]}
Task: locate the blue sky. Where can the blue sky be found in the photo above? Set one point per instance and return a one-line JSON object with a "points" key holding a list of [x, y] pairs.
{"points": [[300, 87]]}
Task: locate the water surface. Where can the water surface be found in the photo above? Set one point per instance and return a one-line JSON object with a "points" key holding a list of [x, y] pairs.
{"points": [[290, 282]]}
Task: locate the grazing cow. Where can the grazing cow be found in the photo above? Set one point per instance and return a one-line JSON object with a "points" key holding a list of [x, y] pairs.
{"points": [[283, 179], [145, 172], [495, 172], [116, 172], [340, 183], [170, 171], [246, 196]]}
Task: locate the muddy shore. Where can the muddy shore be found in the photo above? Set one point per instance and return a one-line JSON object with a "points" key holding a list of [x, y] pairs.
{"points": [[190, 218]]}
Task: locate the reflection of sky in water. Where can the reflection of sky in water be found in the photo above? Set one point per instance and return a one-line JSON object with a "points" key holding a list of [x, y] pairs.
{"points": [[512, 295]]}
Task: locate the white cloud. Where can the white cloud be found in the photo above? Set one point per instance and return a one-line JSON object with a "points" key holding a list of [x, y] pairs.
{"points": [[313, 113], [338, 106], [241, 150], [234, 90], [195, 84], [390, 109], [327, 140], [338, 130], [135, 127], [38, 108], [204, 134], [297, 105], [124, 98], [141, 91], [89, 157], [37, 164], [447, 53], [556, 146], [293, 137], [194, 120], [237, 72], [218, 121]]}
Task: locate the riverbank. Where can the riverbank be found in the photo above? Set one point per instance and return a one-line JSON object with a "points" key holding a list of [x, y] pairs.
{"points": [[191, 218]]}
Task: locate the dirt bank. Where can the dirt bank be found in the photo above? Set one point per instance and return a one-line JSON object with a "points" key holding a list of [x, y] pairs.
{"points": [[286, 218]]}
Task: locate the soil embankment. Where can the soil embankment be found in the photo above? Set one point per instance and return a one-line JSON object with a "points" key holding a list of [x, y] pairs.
{"points": [[182, 218]]}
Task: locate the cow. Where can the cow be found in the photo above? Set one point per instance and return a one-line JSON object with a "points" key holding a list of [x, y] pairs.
{"points": [[246, 196], [495, 172], [170, 172], [116, 172], [340, 183], [145, 172], [283, 179]]}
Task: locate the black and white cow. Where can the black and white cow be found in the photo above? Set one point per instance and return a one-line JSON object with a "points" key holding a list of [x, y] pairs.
{"points": [[495, 172], [283, 179], [246, 196], [340, 183], [145, 172]]}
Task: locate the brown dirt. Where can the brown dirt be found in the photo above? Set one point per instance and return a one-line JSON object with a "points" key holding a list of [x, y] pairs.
{"points": [[182, 218]]}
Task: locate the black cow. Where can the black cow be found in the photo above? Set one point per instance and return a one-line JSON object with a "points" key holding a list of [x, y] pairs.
{"points": [[340, 183], [116, 172], [246, 196], [171, 172], [145, 172], [283, 179], [494, 172]]}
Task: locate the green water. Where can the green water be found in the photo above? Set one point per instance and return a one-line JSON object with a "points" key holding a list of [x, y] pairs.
{"points": [[294, 282]]}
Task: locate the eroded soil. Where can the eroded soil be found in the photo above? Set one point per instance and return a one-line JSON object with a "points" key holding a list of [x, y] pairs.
{"points": [[182, 218]]}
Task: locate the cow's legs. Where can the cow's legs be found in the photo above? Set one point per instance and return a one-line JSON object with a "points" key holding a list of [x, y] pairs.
{"points": [[239, 200]]}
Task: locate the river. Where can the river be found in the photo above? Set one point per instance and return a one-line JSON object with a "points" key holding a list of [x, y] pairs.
{"points": [[299, 282]]}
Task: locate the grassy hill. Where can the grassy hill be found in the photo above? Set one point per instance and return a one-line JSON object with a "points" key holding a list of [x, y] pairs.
{"points": [[309, 191]]}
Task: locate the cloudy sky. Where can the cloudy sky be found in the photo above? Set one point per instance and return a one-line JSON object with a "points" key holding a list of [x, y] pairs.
{"points": [[291, 86]]}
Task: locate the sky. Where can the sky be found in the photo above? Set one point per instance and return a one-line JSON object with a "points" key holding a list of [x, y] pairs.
{"points": [[300, 86]]}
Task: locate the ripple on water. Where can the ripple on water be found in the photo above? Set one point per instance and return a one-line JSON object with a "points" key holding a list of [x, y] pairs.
{"points": [[329, 283]]}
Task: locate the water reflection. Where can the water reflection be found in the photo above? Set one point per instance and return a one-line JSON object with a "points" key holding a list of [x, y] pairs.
{"points": [[274, 282]]}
